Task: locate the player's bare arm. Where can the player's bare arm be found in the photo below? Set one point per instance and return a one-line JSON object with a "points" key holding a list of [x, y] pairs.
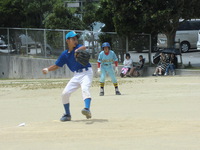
{"points": [[50, 68], [81, 48]]}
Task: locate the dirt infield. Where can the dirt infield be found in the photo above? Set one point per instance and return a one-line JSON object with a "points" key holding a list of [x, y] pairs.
{"points": [[153, 113]]}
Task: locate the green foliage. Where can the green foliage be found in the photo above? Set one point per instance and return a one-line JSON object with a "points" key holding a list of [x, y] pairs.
{"points": [[35, 11], [12, 13], [125, 17], [37, 14], [105, 38], [149, 16], [62, 18], [133, 23], [89, 10], [104, 14], [22, 13]]}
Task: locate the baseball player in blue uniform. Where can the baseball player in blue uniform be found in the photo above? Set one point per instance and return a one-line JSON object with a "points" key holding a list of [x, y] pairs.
{"points": [[83, 76], [104, 65]]}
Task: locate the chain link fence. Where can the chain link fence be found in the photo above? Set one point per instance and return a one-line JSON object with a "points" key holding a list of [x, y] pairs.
{"points": [[49, 43]]}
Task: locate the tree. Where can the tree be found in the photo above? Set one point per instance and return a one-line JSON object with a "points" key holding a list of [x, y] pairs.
{"points": [[24, 13], [89, 11], [185, 9], [12, 13], [62, 18], [35, 12], [105, 14], [152, 16]]}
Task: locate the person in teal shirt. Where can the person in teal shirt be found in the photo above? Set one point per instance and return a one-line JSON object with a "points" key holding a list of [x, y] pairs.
{"points": [[104, 65]]}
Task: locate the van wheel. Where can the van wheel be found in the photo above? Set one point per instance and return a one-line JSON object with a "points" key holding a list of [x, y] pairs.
{"points": [[185, 46]]}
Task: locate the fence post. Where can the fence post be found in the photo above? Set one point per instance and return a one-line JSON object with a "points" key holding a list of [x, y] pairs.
{"points": [[26, 42], [150, 49], [8, 34], [93, 50], [64, 40], [126, 44], [45, 43]]}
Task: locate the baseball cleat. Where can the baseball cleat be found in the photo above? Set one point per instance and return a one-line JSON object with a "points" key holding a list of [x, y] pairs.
{"points": [[65, 117], [101, 94], [87, 113], [117, 93]]}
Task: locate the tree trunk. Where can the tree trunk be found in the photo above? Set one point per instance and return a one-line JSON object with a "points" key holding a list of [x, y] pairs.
{"points": [[171, 39]]}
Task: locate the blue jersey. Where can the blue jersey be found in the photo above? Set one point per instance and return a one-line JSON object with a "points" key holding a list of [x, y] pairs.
{"points": [[107, 59], [68, 58]]}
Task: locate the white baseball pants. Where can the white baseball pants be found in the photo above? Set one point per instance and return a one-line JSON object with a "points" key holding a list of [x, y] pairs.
{"points": [[83, 80]]}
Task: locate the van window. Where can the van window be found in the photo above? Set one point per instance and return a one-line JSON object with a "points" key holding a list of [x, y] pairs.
{"points": [[189, 25], [195, 25], [184, 26]]}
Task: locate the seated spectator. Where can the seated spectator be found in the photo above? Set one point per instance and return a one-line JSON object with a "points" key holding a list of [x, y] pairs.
{"points": [[172, 65], [128, 62], [163, 63], [135, 70]]}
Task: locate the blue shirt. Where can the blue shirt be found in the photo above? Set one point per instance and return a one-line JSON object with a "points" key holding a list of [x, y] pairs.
{"points": [[68, 58], [107, 59]]}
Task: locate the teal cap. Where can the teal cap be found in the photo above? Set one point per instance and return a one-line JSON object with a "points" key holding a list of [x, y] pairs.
{"points": [[71, 34]]}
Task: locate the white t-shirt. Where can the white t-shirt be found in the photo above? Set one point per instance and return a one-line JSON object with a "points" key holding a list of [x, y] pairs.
{"points": [[128, 63]]}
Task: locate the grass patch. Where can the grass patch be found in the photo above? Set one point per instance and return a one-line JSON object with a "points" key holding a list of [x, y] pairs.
{"points": [[50, 83]]}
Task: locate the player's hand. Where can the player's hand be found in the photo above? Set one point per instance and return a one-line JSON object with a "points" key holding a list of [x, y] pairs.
{"points": [[76, 50], [116, 70], [45, 70], [99, 71]]}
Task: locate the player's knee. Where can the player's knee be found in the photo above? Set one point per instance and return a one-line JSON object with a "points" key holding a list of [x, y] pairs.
{"points": [[85, 92], [65, 95]]}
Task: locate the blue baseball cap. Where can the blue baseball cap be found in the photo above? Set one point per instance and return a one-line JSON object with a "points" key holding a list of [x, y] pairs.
{"points": [[71, 34], [105, 44]]}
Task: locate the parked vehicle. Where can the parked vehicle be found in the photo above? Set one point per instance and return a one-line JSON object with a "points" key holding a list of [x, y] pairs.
{"points": [[198, 42], [187, 33], [34, 47], [2, 44], [4, 48]]}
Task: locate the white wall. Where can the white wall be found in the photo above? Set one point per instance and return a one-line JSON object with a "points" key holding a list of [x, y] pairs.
{"points": [[15, 67]]}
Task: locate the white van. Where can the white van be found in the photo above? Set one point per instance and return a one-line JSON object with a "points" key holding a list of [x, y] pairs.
{"points": [[187, 33]]}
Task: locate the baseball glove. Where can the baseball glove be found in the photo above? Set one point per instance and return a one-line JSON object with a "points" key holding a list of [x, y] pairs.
{"points": [[82, 57]]}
